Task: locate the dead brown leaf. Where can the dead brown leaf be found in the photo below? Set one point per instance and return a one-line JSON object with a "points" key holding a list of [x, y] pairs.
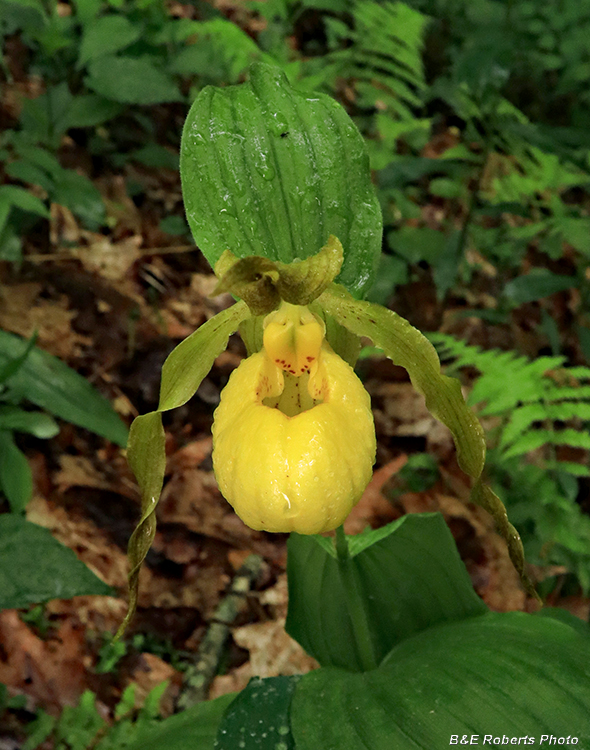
{"points": [[23, 312], [151, 671], [272, 651], [51, 672], [111, 260], [78, 471], [374, 509]]}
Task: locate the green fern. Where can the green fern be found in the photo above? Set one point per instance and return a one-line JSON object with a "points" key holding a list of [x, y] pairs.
{"points": [[531, 396], [541, 405], [385, 59]]}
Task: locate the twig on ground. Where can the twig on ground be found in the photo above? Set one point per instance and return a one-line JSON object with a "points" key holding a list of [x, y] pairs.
{"points": [[199, 675]]}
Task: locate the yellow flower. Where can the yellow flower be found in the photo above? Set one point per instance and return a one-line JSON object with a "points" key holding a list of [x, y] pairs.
{"points": [[293, 436]]}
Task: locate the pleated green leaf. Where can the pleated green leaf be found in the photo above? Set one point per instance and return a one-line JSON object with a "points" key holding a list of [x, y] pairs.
{"points": [[409, 575], [258, 719], [182, 374], [272, 172], [497, 675], [16, 477]]}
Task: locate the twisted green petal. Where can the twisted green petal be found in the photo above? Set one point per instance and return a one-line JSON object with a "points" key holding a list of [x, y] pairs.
{"points": [[409, 348], [182, 374]]}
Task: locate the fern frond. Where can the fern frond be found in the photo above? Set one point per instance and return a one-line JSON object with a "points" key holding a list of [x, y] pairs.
{"points": [[524, 392], [530, 441], [385, 58]]}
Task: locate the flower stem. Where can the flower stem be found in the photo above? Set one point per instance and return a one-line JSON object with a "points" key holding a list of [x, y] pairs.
{"points": [[354, 603]]}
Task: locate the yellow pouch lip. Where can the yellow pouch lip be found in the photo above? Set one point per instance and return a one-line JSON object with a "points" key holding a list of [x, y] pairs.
{"points": [[299, 473]]}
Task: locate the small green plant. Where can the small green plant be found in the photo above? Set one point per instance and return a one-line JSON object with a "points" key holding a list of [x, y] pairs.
{"points": [[27, 373], [82, 727], [16, 481]]}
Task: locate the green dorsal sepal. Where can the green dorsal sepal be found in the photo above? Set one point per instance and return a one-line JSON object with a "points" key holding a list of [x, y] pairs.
{"points": [[263, 283]]}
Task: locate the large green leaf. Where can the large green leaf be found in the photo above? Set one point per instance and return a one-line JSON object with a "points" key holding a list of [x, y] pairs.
{"points": [[410, 577], [497, 675], [193, 729], [272, 172], [49, 383], [35, 567], [258, 719]]}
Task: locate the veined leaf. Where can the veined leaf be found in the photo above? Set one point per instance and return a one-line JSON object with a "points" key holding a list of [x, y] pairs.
{"points": [[409, 575], [258, 719], [35, 423], [485, 675], [131, 80], [106, 35], [16, 478], [272, 172]]}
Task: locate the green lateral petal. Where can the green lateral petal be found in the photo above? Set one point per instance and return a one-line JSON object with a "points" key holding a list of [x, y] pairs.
{"points": [[182, 374], [483, 495], [187, 365], [147, 459], [269, 171], [409, 348]]}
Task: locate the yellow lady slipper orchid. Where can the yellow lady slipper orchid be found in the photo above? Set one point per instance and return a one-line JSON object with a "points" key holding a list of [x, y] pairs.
{"points": [[293, 435]]}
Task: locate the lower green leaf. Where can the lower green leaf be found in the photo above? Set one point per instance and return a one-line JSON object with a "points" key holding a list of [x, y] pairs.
{"points": [[258, 719], [495, 676], [35, 567], [409, 576]]}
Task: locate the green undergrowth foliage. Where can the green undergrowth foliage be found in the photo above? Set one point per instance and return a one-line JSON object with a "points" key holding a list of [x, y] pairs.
{"points": [[540, 446], [82, 726]]}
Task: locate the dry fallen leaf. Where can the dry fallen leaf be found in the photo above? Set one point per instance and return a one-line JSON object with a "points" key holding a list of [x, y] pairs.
{"points": [[272, 651], [374, 509], [151, 671], [111, 260], [23, 312], [51, 672]]}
